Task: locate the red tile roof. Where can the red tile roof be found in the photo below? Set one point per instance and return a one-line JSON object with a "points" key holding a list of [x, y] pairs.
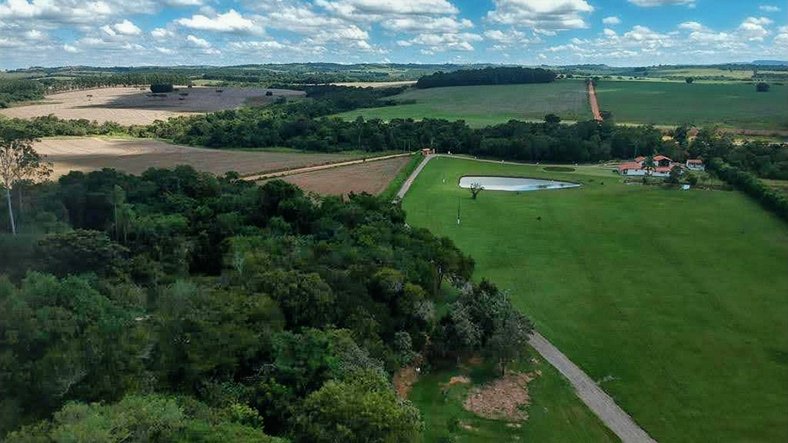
{"points": [[629, 165], [640, 158], [660, 158], [695, 162]]}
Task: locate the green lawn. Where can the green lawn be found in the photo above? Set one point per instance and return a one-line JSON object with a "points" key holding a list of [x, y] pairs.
{"points": [[677, 302], [554, 415], [735, 105], [487, 105]]}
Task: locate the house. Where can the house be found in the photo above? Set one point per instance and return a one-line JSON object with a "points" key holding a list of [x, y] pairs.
{"points": [[427, 151], [696, 165], [662, 167]]}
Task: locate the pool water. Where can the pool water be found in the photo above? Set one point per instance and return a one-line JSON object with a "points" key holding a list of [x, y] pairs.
{"points": [[514, 184]]}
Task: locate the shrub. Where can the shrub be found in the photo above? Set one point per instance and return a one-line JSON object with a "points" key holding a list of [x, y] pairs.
{"points": [[161, 88], [762, 87]]}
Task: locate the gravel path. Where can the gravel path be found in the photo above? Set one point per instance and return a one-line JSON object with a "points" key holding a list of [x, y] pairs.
{"points": [[601, 404]]}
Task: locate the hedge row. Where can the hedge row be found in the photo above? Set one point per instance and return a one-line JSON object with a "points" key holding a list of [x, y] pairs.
{"points": [[769, 198]]}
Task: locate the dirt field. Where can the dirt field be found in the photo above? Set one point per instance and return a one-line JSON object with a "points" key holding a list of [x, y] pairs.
{"points": [[137, 155], [370, 177], [378, 84], [132, 106]]}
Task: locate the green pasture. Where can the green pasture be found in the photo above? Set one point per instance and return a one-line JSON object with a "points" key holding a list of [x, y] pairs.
{"points": [[675, 302], [735, 105], [487, 105]]}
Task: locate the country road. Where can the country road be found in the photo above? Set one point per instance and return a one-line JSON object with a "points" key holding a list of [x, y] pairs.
{"points": [[592, 100], [599, 402]]}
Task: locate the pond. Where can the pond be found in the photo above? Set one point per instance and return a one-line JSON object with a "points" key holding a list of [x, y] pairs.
{"points": [[514, 184]]}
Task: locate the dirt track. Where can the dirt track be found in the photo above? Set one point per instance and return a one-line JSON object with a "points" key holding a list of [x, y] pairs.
{"points": [[592, 100]]}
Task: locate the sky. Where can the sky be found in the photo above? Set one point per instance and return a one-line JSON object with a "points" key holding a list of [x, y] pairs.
{"points": [[526, 32]]}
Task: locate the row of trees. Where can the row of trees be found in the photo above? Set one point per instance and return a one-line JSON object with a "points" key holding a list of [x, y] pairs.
{"points": [[486, 76], [19, 90], [771, 199]]}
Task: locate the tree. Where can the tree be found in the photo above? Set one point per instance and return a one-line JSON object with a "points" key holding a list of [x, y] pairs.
{"points": [[552, 118], [362, 407], [508, 342], [161, 88], [762, 87], [476, 188], [606, 115], [675, 175], [19, 161], [649, 165], [689, 80]]}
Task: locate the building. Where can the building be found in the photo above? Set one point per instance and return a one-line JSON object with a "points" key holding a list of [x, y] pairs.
{"points": [[696, 165], [662, 167], [427, 151]]}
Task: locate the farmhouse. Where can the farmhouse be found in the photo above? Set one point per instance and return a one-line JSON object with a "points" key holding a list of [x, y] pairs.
{"points": [[696, 165], [662, 167]]}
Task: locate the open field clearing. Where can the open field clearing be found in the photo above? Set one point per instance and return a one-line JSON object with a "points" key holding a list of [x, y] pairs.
{"points": [[732, 105], [132, 106], [371, 177], [378, 84], [136, 155], [487, 105], [674, 302]]}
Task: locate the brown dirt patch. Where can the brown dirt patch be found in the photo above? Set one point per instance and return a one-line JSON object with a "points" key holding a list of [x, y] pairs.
{"points": [[459, 380], [404, 379], [132, 106], [502, 399], [136, 155], [371, 177]]}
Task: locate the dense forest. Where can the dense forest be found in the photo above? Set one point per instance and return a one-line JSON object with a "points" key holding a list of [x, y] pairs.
{"points": [[204, 308], [487, 76]]}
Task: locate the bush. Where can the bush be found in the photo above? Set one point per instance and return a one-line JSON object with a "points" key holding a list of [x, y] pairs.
{"points": [[161, 88], [750, 184], [762, 87], [689, 80]]}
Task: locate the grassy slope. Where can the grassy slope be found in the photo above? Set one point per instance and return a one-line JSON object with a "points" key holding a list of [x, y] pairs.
{"points": [[672, 103], [485, 105], [555, 413], [677, 300]]}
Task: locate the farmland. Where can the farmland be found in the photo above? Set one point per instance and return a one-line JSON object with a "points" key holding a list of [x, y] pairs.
{"points": [[486, 105], [371, 177], [133, 106], [735, 105], [673, 301], [136, 155]]}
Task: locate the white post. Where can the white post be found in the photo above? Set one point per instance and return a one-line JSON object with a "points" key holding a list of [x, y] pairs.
{"points": [[10, 210]]}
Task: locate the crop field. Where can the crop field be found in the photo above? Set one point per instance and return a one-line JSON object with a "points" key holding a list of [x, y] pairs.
{"points": [[734, 105], [136, 155], [487, 105], [133, 106], [673, 301], [370, 177]]}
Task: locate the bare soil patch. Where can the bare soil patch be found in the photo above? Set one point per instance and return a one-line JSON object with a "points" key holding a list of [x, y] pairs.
{"points": [[133, 106], [501, 399], [136, 155], [376, 85], [404, 379], [371, 177]]}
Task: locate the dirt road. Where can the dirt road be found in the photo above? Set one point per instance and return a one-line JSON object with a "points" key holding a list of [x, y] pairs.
{"points": [[593, 102]]}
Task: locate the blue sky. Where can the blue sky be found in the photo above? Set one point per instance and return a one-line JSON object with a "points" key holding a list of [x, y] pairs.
{"points": [[529, 32]]}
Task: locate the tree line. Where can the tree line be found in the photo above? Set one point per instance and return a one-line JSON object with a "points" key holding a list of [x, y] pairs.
{"points": [[486, 76], [177, 305]]}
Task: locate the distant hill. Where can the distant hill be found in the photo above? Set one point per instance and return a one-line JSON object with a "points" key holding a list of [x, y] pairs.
{"points": [[770, 62]]}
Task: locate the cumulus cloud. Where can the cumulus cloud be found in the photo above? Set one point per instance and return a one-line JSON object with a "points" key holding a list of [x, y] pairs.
{"points": [[754, 28], [549, 16], [654, 3], [769, 8], [613, 20], [229, 22]]}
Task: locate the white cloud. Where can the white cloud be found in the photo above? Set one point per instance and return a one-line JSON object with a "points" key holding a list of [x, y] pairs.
{"points": [[544, 15], [769, 8], [612, 20], [198, 42], [754, 28], [229, 22], [126, 28], [691, 26], [161, 33], [434, 43], [372, 9], [71, 49], [653, 3], [781, 39], [609, 32]]}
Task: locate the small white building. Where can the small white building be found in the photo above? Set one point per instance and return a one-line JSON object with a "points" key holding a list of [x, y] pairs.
{"points": [[696, 165]]}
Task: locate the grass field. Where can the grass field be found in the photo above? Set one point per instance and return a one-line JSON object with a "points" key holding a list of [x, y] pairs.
{"points": [[487, 105], [554, 415], [733, 105], [675, 302]]}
